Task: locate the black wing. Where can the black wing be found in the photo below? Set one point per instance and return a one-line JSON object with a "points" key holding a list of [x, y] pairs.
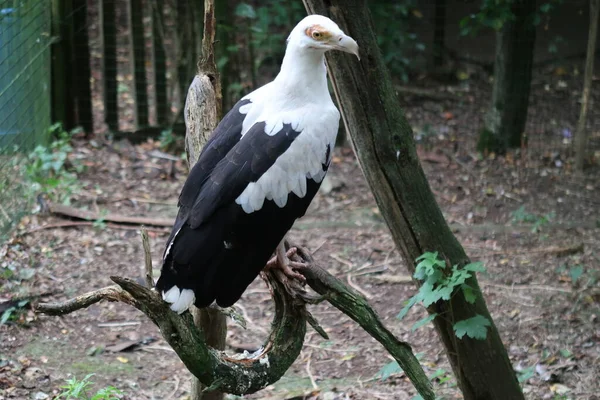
{"points": [[225, 136], [227, 133], [246, 162]]}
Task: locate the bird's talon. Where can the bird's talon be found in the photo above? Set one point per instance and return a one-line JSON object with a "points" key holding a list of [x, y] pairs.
{"points": [[298, 265], [292, 251]]}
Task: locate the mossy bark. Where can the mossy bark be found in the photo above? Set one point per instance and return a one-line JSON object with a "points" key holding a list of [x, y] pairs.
{"points": [[505, 122], [383, 141]]}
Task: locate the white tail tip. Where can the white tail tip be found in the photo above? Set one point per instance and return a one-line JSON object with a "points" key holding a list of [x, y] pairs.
{"points": [[180, 300]]}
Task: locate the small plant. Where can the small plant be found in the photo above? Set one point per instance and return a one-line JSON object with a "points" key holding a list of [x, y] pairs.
{"points": [[49, 170], [399, 44], [78, 390], [440, 376], [167, 139], [100, 223], [520, 216], [441, 283], [13, 313]]}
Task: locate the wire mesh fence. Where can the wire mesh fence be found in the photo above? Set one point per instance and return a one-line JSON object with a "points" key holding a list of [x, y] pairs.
{"points": [[25, 42]]}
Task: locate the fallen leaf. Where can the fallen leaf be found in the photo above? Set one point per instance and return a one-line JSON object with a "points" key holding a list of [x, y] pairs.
{"points": [[559, 389], [123, 360]]}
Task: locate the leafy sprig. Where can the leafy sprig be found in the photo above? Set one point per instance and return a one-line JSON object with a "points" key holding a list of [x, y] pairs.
{"points": [[440, 283]]}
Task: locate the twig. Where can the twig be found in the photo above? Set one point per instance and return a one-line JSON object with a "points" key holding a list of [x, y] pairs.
{"points": [[318, 247], [393, 278], [527, 287], [150, 201], [119, 324], [358, 288], [110, 293], [73, 224], [343, 261], [147, 258], [54, 226], [175, 389], [557, 250], [72, 212], [309, 372], [430, 94]]}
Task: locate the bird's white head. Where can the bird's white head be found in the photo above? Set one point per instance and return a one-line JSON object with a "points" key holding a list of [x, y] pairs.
{"points": [[318, 33]]}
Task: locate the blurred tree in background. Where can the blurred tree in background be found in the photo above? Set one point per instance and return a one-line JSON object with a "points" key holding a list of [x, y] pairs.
{"points": [[251, 34]]}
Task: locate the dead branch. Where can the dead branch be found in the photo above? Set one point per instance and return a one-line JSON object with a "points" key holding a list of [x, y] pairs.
{"points": [[559, 251], [426, 93], [73, 224], [354, 305], [147, 259], [213, 368], [244, 375], [72, 212], [110, 293]]}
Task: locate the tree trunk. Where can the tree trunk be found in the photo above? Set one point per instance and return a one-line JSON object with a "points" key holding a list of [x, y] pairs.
{"points": [[581, 132], [160, 63], [202, 113], [439, 33], [384, 145], [62, 102], [189, 40], [108, 33], [505, 124], [82, 90], [224, 10], [137, 61]]}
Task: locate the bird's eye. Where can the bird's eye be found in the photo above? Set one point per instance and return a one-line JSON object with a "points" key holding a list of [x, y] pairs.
{"points": [[316, 35]]}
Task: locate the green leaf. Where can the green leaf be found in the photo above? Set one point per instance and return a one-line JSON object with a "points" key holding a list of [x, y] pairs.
{"points": [[475, 327], [566, 353], [428, 264], [411, 302], [6, 315], [459, 276], [526, 374], [424, 321], [576, 272], [388, 370], [474, 267], [438, 373], [469, 293]]}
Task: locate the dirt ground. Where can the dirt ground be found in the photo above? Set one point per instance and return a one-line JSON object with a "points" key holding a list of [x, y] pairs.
{"points": [[541, 284]]}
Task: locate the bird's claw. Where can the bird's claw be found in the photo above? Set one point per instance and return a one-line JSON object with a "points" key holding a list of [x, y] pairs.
{"points": [[283, 262]]}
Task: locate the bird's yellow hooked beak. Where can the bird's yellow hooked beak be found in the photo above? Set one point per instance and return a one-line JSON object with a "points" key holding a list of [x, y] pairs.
{"points": [[346, 44]]}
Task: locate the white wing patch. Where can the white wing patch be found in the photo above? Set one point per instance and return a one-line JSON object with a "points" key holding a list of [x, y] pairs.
{"points": [[180, 300], [168, 249], [303, 160]]}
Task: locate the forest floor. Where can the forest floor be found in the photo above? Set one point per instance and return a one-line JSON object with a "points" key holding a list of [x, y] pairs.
{"points": [[528, 218]]}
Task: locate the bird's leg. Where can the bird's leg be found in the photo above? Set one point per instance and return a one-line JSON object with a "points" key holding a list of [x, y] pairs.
{"points": [[283, 262]]}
